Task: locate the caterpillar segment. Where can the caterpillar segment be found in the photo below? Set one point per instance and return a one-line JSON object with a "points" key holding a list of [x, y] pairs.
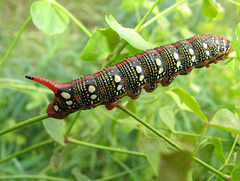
{"points": [[145, 70]]}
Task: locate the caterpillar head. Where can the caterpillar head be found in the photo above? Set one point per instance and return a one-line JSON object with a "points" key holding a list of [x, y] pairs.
{"points": [[61, 106]]}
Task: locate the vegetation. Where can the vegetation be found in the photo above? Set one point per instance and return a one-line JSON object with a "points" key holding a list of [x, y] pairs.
{"points": [[186, 131]]}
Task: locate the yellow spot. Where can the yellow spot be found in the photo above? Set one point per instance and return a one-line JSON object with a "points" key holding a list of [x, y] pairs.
{"points": [[66, 95], [117, 78], [138, 69], [91, 88]]}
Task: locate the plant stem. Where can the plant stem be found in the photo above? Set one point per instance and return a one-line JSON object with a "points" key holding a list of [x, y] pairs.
{"points": [[75, 20], [24, 123], [161, 14], [15, 40], [72, 123], [171, 142], [149, 127], [38, 177], [43, 143], [205, 128], [220, 174], [71, 140], [137, 28]]}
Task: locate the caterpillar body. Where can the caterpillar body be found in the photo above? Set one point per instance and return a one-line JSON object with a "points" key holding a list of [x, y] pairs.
{"points": [[145, 70]]}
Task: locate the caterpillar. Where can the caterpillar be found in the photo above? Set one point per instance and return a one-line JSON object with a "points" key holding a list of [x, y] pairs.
{"points": [[145, 70]]}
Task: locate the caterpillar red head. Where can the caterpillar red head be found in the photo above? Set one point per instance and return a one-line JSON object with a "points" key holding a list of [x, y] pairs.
{"points": [[146, 70], [63, 98]]}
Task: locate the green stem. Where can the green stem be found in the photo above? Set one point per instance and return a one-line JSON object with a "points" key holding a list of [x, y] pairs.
{"points": [[220, 174], [234, 2], [149, 127], [24, 123], [71, 140], [75, 20], [26, 150], [171, 142], [137, 28], [228, 157], [15, 40], [202, 136], [38, 177], [161, 14], [72, 123], [120, 174]]}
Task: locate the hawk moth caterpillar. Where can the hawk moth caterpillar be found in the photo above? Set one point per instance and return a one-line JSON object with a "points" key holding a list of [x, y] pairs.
{"points": [[145, 70]]}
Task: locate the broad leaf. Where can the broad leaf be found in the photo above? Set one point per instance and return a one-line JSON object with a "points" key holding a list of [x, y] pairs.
{"points": [[153, 147], [236, 170], [191, 102], [167, 116], [204, 154], [55, 128], [175, 166], [209, 9], [128, 34], [48, 18], [226, 120], [218, 149], [237, 49], [100, 45]]}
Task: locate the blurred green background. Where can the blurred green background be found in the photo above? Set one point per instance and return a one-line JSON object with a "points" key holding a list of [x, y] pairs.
{"points": [[58, 58]]}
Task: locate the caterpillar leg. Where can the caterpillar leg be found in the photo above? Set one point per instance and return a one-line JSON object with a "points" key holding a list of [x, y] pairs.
{"points": [[151, 87], [134, 94], [111, 105]]}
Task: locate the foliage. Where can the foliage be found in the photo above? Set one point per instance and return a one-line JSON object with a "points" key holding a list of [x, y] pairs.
{"points": [[188, 130]]}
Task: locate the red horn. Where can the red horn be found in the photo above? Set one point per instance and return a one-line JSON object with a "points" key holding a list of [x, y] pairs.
{"points": [[50, 84]]}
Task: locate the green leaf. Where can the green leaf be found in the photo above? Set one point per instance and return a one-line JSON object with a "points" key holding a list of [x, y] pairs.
{"points": [[78, 176], [236, 170], [100, 45], [167, 116], [237, 49], [191, 102], [218, 149], [209, 9], [55, 128], [226, 120], [175, 166], [49, 18], [237, 107], [153, 147], [128, 5], [204, 154], [231, 64], [128, 34]]}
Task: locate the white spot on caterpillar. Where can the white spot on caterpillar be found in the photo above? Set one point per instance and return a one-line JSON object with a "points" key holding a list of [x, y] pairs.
{"points": [[191, 51], [178, 64], [91, 88], [207, 52], [158, 61], [117, 78], [141, 77], [119, 87], [56, 108], [205, 45], [160, 71], [193, 58], [69, 102], [65, 95], [175, 55], [138, 69], [94, 96]]}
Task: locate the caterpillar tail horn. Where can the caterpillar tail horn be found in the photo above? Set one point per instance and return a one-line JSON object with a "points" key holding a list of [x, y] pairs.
{"points": [[55, 108], [48, 83]]}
